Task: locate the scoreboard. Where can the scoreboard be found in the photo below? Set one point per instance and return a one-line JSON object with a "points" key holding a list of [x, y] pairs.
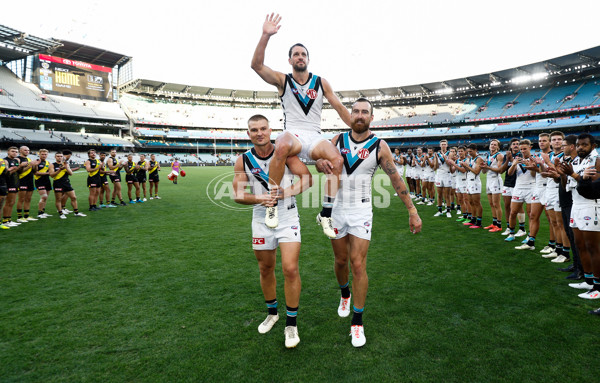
{"points": [[60, 76]]}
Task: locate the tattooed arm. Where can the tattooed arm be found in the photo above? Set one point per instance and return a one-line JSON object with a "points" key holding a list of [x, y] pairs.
{"points": [[386, 161]]}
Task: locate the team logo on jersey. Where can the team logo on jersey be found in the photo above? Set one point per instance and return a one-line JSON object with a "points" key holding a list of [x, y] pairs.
{"points": [[587, 218], [258, 241], [335, 230], [367, 224], [345, 151], [312, 94], [363, 154], [294, 227], [295, 91], [255, 170]]}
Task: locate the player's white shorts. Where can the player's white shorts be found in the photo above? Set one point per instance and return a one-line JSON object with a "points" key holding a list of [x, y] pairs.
{"points": [[265, 238], [552, 201], [355, 221], [493, 185], [461, 187], [474, 186], [524, 195], [308, 140], [585, 217], [400, 170], [429, 177], [443, 180], [540, 195], [507, 191]]}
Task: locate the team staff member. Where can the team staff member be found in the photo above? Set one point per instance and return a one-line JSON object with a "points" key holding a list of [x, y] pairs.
{"points": [[154, 168], [585, 214], [115, 166], [251, 169], [13, 166], [141, 174], [42, 182], [131, 169], [94, 183], [3, 189], [25, 186], [60, 172], [353, 212]]}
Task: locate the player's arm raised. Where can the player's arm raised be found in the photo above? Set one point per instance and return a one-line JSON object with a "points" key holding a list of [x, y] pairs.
{"points": [[270, 27], [297, 168], [387, 164], [240, 182], [335, 102]]}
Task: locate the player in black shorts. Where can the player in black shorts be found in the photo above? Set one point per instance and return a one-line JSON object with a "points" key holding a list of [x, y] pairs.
{"points": [[3, 189], [25, 186], [105, 188], [115, 166], [154, 168], [131, 169], [13, 165], [141, 174], [60, 172], [93, 166], [42, 182]]}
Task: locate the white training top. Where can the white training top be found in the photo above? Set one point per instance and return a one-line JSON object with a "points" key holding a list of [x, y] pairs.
{"points": [[492, 160], [302, 104], [579, 165], [257, 170], [360, 164], [525, 179]]}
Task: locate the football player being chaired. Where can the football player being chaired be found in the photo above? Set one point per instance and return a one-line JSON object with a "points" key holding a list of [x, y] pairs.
{"points": [[353, 213], [301, 95], [251, 169]]}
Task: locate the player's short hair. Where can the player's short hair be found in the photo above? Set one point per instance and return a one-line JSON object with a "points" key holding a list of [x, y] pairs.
{"points": [[13, 147], [583, 136], [571, 139], [514, 139], [525, 142], [101, 153], [297, 45], [91, 150], [454, 148], [66, 152], [257, 117], [43, 151], [444, 140], [462, 147], [497, 141], [362, 99], [472, 146], [557, 133], [544, 135]]}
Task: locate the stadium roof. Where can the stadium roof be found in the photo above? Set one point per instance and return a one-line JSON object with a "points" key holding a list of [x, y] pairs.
{"points": [[15, 45], [578, 63], [79, 52]]}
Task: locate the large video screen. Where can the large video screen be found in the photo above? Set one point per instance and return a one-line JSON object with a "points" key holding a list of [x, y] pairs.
{"points": [[56, 75]]}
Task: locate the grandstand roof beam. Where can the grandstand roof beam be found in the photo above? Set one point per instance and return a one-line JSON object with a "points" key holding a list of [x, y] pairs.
{"points": [[210, 91], [522, 70], [496, 78], [160, 87], [186, 89], [402, 92], [425, 90], [471, 83]]}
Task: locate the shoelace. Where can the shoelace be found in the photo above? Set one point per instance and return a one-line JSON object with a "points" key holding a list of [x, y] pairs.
{"points": [[345, 302], [356, 331], [271, 213]]}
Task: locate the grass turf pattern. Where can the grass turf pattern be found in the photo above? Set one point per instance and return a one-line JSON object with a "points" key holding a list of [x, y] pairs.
{"points": [[169, 291]]}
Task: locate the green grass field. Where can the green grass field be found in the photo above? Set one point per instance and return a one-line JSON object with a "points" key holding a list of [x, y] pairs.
{"points": [[168, 291]]}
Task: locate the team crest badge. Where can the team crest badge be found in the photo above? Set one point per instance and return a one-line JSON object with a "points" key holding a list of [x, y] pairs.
{"points": [[363, 154], [312, 94], [344, 150], [256, 170]]}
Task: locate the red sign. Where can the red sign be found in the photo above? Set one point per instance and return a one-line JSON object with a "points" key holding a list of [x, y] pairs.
{"points": [[312, 94], [78, 64], [258, 241]]}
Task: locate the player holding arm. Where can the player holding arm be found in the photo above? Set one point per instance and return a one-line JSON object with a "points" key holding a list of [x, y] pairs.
{"points": [[251, 170]]}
